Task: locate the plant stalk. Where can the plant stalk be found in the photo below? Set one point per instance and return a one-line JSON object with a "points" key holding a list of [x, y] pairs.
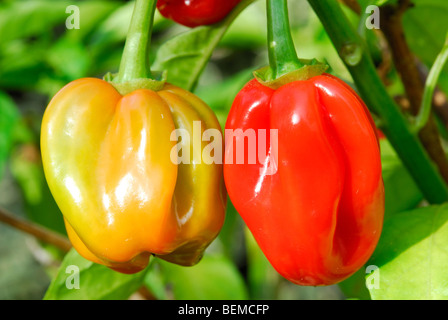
{"points": [[135, 60], [353, 52], [282, 54]]}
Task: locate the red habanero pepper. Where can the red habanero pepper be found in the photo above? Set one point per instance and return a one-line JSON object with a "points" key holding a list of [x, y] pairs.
{"points": [[193, 13], [319, 216]]}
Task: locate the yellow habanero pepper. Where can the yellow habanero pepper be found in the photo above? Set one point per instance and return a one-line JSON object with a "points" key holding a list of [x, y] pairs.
{"points": [[107, 160]]}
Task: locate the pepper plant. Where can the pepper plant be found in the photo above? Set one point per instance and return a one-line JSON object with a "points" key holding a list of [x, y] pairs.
{"points": [[348, 194]]}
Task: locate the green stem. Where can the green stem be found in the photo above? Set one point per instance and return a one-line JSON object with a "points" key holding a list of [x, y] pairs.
{"points": [[353, 52], [362, 20], [430, 85], [282, 54], [135, 60]]}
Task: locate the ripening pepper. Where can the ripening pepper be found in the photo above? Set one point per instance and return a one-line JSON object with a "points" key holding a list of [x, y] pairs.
{"points": [[318, 216], [193, 13], [107, 161]]}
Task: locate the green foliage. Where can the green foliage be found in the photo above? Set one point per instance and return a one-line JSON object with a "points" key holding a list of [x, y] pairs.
{"points": [[263, 280], [9, 117], [26, 168], [412, 256], [185, 56], [401, 191], [80, 279], [28, 22], [38, 55], [425, 28], [215, 277]]}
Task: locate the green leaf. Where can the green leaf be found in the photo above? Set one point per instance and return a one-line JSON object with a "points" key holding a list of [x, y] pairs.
{"points": [[262, 278], [40, 206], [33, 55], [96, 282], [231, 235], [36, 17], [355, 286], [21, 64], [248, 31], [425, 30], [401, 192], [29, 18], [91, 13], [412, 256], [115, 27], [154, 281], [215, 277], [365, 3], [185, 56], [71, 55], [219, 96], [9, 117], [69, 58]]}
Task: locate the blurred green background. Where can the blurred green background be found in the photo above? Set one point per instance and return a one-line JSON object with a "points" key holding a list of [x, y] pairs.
{"points": [[38, 56]]}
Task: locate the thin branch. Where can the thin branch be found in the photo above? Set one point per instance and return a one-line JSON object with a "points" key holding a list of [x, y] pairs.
{"points": [[372, 89], [35, 230], [146, 294], [53, 238], [386, 61], [406, 65]]}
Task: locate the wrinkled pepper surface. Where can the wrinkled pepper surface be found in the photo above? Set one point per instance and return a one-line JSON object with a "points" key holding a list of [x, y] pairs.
{"points": [[318, 216], [193, 13], [107, 162]]}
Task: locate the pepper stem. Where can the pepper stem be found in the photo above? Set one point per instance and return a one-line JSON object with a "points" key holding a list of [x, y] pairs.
{"points": [[282, 54], [135, 60]]}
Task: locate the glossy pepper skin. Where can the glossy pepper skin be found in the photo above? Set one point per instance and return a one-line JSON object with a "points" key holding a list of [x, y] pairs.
{"points": [[107, 162], [318, 218], [193, 13]]}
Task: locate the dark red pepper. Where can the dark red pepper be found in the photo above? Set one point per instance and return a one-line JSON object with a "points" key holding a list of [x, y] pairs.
{"points": [[193, 13]]}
